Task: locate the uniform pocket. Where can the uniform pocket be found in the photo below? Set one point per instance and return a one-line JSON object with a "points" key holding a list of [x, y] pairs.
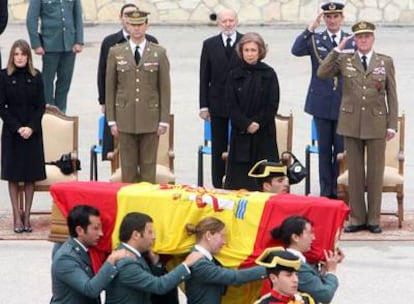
{"points": [[379, 112], [347, 108]]}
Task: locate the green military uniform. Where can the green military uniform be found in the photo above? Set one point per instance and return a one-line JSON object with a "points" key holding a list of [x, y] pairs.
{"points": [[368, 108], [61, 27], [138, 100]]}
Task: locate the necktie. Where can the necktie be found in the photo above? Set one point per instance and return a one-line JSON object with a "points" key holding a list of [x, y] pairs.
{"points": [[228, 47], [364, 62], [334, 41], [137, 55]]}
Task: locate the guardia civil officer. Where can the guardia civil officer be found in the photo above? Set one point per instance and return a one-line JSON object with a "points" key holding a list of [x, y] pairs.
{"points": [[324, 95]]}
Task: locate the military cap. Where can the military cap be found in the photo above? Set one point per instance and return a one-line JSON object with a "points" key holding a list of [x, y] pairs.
{"points": [[331, 7], [363, 27], [279, 259], [265, 168], [137, 17]]}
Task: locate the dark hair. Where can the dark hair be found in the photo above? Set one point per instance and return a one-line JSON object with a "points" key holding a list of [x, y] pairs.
{"points": [[291, 225], [126, 6], [252, 37], [133, 221], [210, 223], [79, 216], [24, 46]]}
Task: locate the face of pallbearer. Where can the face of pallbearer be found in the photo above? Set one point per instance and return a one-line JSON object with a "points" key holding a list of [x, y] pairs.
{"points": [[147, 238], [279, 184], [215, 241], [304, 241], [333, 21], [93, 233], [286, 282], [19, 59], [364, 42], [227, 21], [250, 52]]}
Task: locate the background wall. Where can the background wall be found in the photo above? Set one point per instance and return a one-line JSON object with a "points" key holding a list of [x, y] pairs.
{"points": [[390, 12]]}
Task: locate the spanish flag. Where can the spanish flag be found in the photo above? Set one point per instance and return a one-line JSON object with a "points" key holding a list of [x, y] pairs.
{"points": [[249, 217]]}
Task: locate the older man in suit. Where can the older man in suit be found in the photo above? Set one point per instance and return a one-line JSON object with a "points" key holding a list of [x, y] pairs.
{"points": [[137, 279], [218, 57], [138, 99], [368, 118], [324, 95], [73, 279], [108, 42], [59, 40], [4, 16]]}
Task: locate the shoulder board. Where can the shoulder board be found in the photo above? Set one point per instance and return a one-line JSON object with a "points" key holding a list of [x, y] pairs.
{"points": [[383, 55], [307, 298]]}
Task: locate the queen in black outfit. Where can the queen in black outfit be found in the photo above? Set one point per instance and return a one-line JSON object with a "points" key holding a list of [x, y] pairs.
{"points": [[22, 105], [252, 91]]}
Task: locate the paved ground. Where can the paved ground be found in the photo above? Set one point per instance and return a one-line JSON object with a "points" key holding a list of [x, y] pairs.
{"points": [[374, 272]]}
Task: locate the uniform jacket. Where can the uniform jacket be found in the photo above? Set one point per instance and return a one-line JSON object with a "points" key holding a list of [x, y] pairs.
{"points": [[324, 95], [274, 297], [321, 287], [108, 42], [61, 24], [73, 280], [138, 97], [369, 104], [135, 282], [208, 281], [214, 68]]}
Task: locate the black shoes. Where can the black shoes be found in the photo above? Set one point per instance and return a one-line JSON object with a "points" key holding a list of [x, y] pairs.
{"points": [[354, 228], [374, 228]]}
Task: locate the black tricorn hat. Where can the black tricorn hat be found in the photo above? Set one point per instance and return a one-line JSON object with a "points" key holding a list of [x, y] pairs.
{"points": [[266, 168], [279, 258]]}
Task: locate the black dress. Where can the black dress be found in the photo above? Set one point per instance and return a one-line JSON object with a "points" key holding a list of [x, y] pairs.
{"points": [[252, 92], [22, 103]]}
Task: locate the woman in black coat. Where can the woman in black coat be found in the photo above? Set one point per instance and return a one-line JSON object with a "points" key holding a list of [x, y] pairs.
{"points": [[252, 93], [22, 105]]}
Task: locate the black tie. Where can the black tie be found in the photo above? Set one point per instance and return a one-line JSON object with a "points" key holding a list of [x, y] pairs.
{"points": [[334, 41], [364, 62], [137, 55], [228, 47]]}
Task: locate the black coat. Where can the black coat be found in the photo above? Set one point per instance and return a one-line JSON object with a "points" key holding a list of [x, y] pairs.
{"points": [[252, 92], [4, 16], [214, 69], [22, 104]]}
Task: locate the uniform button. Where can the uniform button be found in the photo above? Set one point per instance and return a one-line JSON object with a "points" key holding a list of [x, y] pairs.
{"points": [[380, 113], [122, 70], [363, 97], [137, 90], [137, 70], [63, 19], [364, 87], [137, 80], [64, 29], [182, 277], [137, 99], [363, 108]]}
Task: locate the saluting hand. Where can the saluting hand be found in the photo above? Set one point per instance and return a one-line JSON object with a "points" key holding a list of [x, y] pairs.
{"points": [[315, 23]]}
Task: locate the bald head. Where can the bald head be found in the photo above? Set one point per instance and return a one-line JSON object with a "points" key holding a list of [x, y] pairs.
{"points": [[227, 21]]}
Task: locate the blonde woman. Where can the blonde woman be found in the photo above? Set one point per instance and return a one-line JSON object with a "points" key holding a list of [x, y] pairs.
{"points": [[209, 279]]}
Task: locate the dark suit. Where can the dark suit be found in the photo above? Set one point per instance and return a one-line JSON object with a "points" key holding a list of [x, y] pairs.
{"points": [[135, 281], [209, 280], [322, 101], [108, 42], [369, 107], [214, 69], [4, 16], [138, 100], [73, 280]]}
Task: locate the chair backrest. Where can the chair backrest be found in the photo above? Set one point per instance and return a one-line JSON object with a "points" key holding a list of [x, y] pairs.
{"points": [[395, 147], [101, 124], [284, 132], [166, 147], [314, 134], [60, 133]]}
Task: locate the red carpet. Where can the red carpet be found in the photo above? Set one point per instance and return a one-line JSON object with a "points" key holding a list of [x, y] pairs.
{"points": [[389, 224]]}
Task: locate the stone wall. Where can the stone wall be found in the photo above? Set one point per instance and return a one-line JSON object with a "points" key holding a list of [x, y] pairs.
{"points": [[394, 12]]}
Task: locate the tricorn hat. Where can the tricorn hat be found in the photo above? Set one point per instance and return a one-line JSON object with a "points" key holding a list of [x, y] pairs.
{"points": [[279, 258], [266, 168]]}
